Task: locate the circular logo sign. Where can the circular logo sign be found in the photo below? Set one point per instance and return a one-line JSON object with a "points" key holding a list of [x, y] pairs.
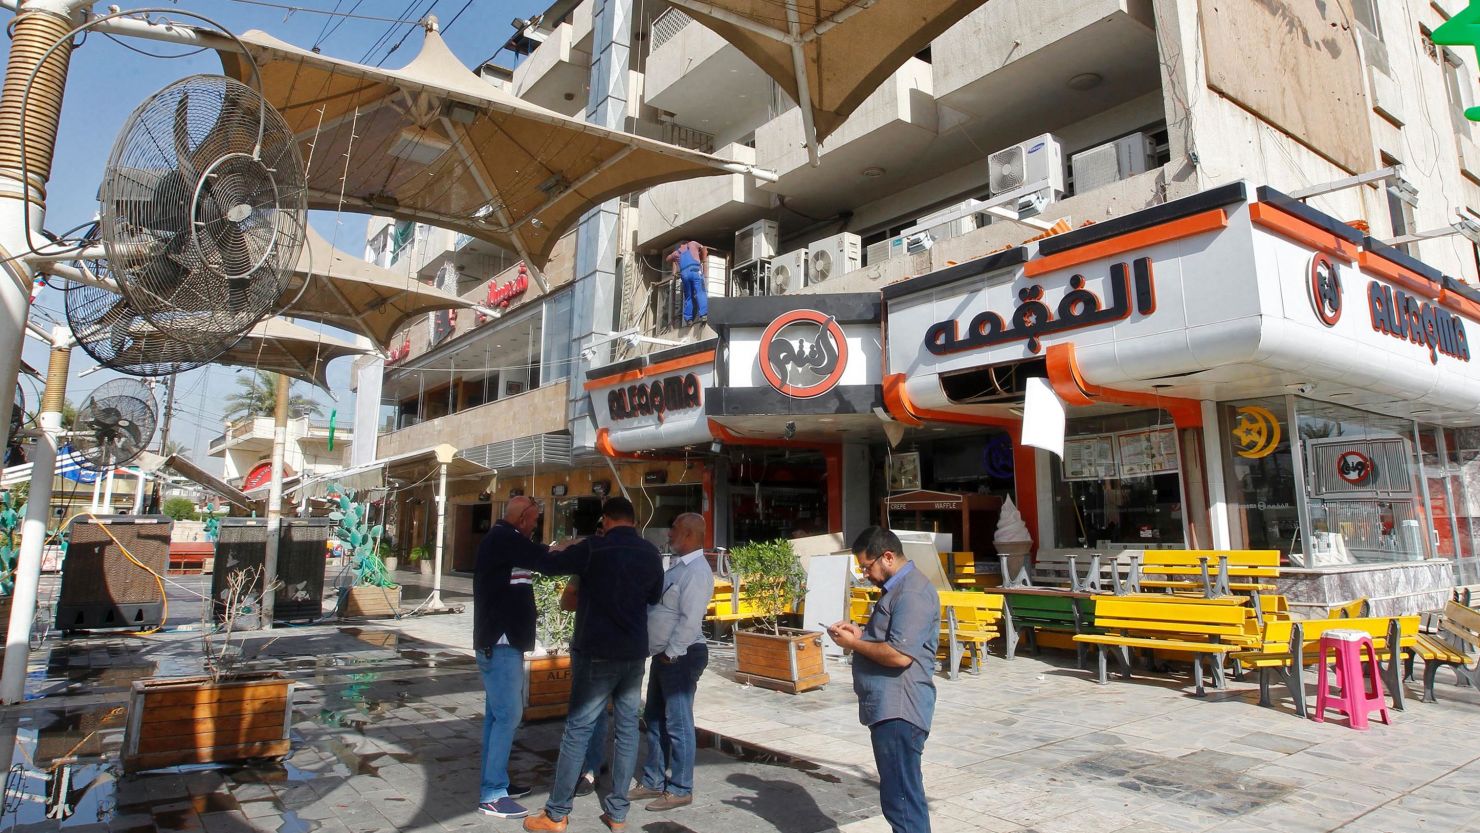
{"points": [[803, 353], [1355, 467], [1256, 433], [1325, 289], [261, 475]]}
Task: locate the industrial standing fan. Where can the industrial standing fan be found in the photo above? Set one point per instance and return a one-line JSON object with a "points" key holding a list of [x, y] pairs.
{"points": [[204, 209], [115, 424]]}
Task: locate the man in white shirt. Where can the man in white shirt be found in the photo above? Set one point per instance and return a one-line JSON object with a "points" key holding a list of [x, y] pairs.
{"points": [[676, 642]]}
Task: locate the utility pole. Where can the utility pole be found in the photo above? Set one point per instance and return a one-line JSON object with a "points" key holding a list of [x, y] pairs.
{"points": [[156, 499]]}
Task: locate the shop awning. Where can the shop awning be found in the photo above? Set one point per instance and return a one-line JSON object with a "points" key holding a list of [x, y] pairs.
{"points": [[280, 346], [828, 55], [434, 143], [373, 475], [228, 492], [357, 296]]}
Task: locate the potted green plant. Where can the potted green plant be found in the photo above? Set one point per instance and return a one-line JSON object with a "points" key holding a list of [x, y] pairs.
{"points": [[547, 670], [232, 712], [421, 558], [374, 593], [769, 575]]}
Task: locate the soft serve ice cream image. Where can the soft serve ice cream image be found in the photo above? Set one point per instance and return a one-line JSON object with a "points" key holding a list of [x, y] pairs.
{"points": [[1012, 536]]}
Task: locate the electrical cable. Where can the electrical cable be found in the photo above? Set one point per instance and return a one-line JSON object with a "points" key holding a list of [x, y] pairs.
{"points": [[292, 9]]}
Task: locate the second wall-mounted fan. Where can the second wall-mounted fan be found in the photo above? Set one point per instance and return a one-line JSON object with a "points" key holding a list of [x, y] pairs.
{"points": [[204, 209], [115, 424]]}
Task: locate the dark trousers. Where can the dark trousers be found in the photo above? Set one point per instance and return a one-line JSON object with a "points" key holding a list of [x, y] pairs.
{"points": [[669, 765], [898, 747]]}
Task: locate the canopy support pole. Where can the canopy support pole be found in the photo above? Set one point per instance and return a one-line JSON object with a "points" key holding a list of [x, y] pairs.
{"points": [[444, 456], [139, 493], [804, 88], [38, 515], [275, 501]]}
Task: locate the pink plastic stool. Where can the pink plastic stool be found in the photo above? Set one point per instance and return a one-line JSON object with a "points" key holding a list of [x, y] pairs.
{"points": [[1355, 699]]}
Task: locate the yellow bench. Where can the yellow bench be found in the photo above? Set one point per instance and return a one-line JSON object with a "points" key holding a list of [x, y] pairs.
{"points": [[1459, 631], [1214, 572], [969, 620], [1285, 647], [1168, 623], [726, 606]]}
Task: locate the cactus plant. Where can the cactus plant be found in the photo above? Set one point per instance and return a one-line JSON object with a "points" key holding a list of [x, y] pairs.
{"points": [[363, 540], [10, 550]]}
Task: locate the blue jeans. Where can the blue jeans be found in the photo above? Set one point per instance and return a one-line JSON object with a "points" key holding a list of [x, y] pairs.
{"points": [[694, 294], [593, 681], [898, 747], [596, 752], [502, 670], [670, 721]]}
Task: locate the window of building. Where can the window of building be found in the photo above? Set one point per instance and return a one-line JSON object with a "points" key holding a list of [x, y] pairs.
{"points": [[1365, 11], [1363, 487], [1457, 86], [1260, 475], [1119, 484], [558, 332]]}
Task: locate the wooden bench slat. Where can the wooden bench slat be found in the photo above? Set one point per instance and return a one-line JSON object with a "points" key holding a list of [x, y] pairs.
{"points": [[1159, 644]]}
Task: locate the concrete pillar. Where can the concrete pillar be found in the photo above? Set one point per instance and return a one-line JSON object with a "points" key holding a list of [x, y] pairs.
{"points": [[594, 293], [858, 506]]}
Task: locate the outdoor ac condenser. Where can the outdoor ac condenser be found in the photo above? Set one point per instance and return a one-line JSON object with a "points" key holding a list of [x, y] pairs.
{"points": [[789, 272], [757, 241], [833, 256], [1027, 167], [1111, 162]]}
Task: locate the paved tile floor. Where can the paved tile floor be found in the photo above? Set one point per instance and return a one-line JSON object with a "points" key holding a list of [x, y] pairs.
{"points": [[388, 714]]}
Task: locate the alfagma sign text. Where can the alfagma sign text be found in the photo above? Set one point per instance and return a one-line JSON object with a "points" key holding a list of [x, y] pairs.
{"points": [[1401, 315]]}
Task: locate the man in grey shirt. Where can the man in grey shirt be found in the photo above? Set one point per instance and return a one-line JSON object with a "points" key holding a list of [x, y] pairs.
{"points": [[676, 643], [893, 674]]}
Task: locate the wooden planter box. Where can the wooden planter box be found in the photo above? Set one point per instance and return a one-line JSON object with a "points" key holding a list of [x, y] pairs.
{"points": [[547, 689], [791, 662], [373, 602], [191, 720]]}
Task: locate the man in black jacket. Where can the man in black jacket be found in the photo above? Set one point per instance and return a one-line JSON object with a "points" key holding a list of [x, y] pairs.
{"points": [[503, 629], [621, 574]]}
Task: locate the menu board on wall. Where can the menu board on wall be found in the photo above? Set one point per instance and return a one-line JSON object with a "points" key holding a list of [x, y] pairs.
{"points": [[1089, 458], [1144, 453]]}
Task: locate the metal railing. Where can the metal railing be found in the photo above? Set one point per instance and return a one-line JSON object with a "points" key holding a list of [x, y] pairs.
{"points": [[688, 137]]}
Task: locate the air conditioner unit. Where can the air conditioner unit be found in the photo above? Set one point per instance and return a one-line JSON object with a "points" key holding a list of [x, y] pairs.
{"points": [[1111, 162], [836, 255], [883, 250], [948, 222], [752, 277], [756, 241], [789, 272], [1027, 167]]}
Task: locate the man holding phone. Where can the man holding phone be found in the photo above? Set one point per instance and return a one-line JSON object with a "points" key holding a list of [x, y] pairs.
{"points": [[893, 673]]}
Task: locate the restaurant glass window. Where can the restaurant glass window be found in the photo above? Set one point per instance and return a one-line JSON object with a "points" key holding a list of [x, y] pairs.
{"points": [[777, 494], [1363, 486], [1261, 477], [1119, 483], [1461, 479]]}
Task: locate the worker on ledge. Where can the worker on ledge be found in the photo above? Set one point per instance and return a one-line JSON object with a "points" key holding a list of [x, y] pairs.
{"points": [[688, 266]]}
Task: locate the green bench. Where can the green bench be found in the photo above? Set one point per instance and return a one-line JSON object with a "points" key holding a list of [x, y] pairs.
{"points": [[1026, 610]]}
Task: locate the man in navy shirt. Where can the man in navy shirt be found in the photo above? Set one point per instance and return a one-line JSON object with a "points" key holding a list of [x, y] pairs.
{"points": [[893, 674], [621, 574], [503, 629]]}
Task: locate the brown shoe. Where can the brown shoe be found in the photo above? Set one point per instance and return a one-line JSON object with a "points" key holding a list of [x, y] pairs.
{"points": [[638, 793], [611, 824], [542, 821], [669, 801]]}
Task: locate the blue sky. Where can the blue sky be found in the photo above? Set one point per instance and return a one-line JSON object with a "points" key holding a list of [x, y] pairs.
{"points": [[107, 81]]}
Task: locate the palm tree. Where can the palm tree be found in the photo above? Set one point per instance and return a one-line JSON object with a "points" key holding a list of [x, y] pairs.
{"points": [[257, 396], [171, 448]]}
